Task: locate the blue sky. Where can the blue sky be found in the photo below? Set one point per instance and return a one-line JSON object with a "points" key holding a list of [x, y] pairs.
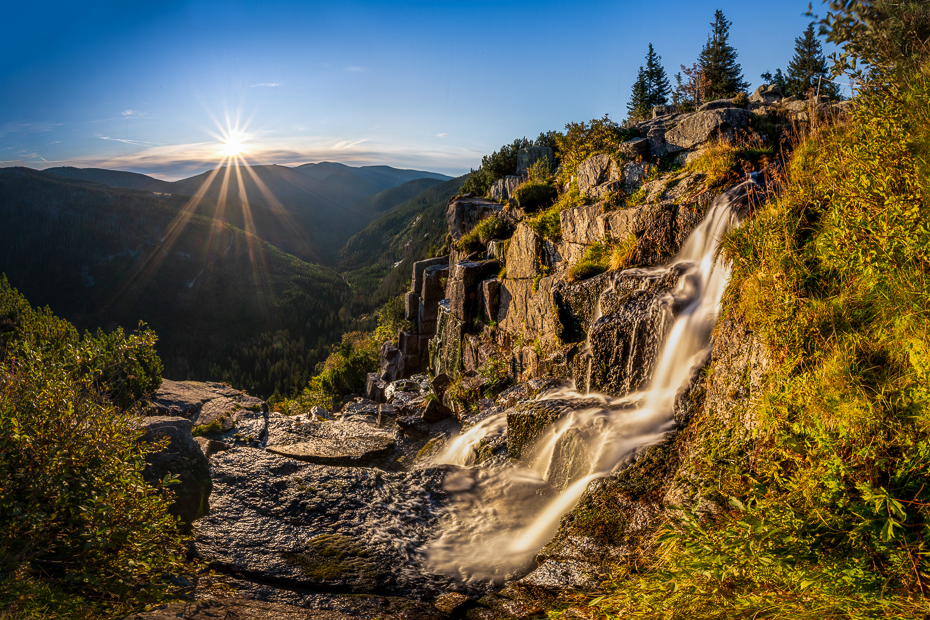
{"points": [[155, 87]]}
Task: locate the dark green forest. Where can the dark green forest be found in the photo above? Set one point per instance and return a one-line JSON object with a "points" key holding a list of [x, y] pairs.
{"points": [[225, 305]]}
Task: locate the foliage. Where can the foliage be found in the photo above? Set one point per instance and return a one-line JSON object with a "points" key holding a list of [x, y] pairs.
{"points": [[717, 61], [491, 227], [345, 371], [880, 33], [391, 320], [826, 509], [493, 167], [540, 171], [638, 107], [582, 140], [727, 162], [79, 527], [808, 67], [600, 257], [691, 91], [547, 224], [533, 195]]}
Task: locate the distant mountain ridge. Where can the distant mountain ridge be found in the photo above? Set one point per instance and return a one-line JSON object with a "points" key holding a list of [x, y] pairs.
{"points": [[309, 210]]}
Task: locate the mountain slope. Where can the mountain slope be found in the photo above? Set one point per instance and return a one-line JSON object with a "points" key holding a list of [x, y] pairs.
{"points": [[377, 260], [226, 305], [308, 211], [113, 178]]}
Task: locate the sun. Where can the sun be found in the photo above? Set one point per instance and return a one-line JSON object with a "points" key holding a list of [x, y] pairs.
{"points": [[233, 146]]}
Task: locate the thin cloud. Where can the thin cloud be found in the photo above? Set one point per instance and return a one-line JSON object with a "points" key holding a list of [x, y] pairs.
{"points": [[133, 142], [355, 69], [442, 135], [345, 144], [266, 85], [132, 114], [33, 127]]}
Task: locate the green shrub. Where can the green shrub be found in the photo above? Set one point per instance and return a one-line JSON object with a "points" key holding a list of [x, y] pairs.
{"points": [[391, 321], [540, 171], [596, 260], [345, 371], [826, 510], [741, 100], [78, 524], [582, 140], [547, 224], [489, 228], [532, 195]]}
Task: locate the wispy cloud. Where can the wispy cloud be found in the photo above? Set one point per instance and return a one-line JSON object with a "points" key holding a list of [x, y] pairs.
{"points": [[266, 85], [132, 114], [133, 142], [356, 69], [346, 144], [442, 135], [33, 127]]}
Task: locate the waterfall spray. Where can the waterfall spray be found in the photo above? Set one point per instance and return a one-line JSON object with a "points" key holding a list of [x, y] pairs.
{"points": [[500, 514]]}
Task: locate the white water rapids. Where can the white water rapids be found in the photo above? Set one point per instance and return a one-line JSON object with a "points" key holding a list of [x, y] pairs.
{"points": [[500, 514]]}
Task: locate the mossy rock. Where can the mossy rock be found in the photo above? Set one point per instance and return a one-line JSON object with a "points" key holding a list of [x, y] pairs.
{"points": [[337, 560]]}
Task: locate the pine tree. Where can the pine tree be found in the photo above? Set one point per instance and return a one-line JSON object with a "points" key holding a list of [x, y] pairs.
{"points": [[718, 61], [808, 67], [638, 106], [657, 86]]}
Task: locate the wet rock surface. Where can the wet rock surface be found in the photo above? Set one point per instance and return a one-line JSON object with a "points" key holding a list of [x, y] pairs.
{"points": [[333, 529], [305, 607], [223, 412]]}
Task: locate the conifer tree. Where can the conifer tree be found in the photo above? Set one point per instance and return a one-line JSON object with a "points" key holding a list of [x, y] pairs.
{"points": [[638, 106], [657, 86], [718, 61], [808, 66], [651, 87]]}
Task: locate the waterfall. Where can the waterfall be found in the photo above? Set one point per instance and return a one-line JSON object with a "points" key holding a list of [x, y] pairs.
{"points": [[500, 515]]}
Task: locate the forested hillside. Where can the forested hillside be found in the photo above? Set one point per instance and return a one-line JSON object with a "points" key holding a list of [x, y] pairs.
{"points": [[225, 305], [377, 261]]}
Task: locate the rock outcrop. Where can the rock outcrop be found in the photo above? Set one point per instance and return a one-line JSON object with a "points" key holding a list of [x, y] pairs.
{"points": [[182, 458]]}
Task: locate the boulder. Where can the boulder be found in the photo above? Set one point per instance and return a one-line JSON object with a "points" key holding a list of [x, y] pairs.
{"points": [[530, 155], [635, 148], [634, 173], [716, 104], [464, 285], [489, 299], [374, 387], [699, 127], [463, 213], [355, 441], [766, 93], [411, 306], [445, 349], [392, 362], [581, 225], [597, 170], [523, 253], [503, 188], [664, 110], [419, 267], [183, 458]]}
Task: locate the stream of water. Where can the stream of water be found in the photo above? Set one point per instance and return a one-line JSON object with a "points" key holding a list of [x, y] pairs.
{"points": [[501, 513]]}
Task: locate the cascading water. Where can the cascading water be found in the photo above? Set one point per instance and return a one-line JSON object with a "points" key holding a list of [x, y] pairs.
{"points": [[500, 513]]}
